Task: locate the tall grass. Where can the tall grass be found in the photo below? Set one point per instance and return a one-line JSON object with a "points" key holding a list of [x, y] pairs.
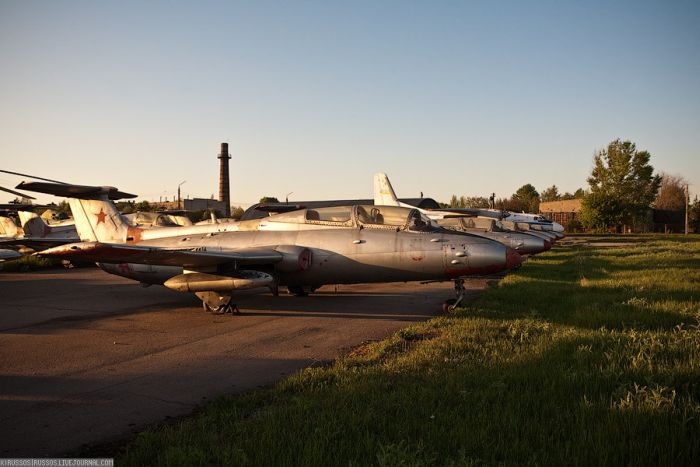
{"points": [[29, 263], [586, 356]]}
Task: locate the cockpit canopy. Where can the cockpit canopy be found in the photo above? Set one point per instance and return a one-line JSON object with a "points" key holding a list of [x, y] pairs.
{"points": [[360, 215]]}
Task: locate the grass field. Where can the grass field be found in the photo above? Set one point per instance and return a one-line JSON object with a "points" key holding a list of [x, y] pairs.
{"points": [[29, 263], [586, 356]]}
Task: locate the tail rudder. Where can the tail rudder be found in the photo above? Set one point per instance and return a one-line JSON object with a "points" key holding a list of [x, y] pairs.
{"points": [[98, 220], [384, 194], [96, 216], [33, 225], [8, 228]]}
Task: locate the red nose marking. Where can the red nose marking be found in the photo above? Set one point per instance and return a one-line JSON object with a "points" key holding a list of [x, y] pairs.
{"points": [[513, 259]]}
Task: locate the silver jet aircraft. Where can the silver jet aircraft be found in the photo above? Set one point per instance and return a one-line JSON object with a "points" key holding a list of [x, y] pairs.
{"points": [[384, 194], [340, 245], [452, 219]]}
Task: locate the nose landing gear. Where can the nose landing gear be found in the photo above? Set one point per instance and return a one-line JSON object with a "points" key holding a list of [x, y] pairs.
{"points": [[450, 305]]}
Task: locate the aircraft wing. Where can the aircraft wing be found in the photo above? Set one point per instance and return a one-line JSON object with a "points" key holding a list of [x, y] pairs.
{"points": [[16, 193], [468, 212], [75, 191], [186, 257]]}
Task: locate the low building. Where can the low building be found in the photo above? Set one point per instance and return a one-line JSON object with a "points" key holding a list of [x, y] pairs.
{"points": [[667, 221], [203, 204], [564, 211]]}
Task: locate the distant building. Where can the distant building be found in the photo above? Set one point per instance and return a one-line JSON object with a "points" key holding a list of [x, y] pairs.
{"points": [[563, 211], [204, 204], [668, 221], [163, 205]]}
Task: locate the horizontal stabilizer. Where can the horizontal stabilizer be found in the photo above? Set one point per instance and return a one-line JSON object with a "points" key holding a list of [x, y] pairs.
{"points": [[472, 212], [16, 193], [188, 258], [74, 191]]}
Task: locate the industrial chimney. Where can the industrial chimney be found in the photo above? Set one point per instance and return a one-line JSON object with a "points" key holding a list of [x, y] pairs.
{"points": [[224, 194]]}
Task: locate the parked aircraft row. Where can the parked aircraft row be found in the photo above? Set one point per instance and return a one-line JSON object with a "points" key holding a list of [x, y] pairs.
{"points": [[300, 249]]}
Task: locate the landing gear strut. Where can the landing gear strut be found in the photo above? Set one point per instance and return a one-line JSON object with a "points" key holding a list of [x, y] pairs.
{"points": [[217, 304], [450, 305], [231, 308]]}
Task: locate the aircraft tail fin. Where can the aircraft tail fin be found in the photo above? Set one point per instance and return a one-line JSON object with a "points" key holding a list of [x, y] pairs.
{"points": [[98, 220], [96, 216], [33, 225], [384, 194], [8, 228]]}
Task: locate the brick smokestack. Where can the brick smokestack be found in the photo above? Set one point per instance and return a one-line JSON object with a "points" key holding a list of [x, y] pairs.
{"points": [[224, 193]]}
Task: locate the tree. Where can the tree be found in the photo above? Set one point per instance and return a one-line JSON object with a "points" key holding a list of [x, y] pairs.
{"points": [[622, 186], [598, 212], [578, 194], [694, 216], [468, 202], [268, 199], [237, 212], [671, 196], [476, 202], [125, 207], [550, 194], [63, 209], [143, 206], [525, 199]]}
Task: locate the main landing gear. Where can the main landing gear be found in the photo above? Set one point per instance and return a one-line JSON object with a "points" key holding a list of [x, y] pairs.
{"points": [[217, 304], [450, 305], [231, 308]]}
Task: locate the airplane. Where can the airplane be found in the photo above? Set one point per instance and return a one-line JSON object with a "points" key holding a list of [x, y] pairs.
{"points": [[384, 194], [158, 219], [456, 219], [8, 228], [309, 247]]}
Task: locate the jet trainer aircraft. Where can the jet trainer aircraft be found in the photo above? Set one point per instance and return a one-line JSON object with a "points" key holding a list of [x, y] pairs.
{"points": [[384, 194], [458, 219], [339, 245]]}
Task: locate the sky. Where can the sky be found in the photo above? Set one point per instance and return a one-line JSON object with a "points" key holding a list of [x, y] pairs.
{"points": [[313, 97]]}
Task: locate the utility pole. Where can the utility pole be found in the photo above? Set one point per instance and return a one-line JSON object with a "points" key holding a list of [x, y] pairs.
{"points": [[179, 205]]}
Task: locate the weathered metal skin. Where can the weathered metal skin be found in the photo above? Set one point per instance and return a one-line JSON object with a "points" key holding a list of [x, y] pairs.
{"points": [[144, 273], [202, 282], [526, 228], [347, 255], [520, 242], [310, 247]]}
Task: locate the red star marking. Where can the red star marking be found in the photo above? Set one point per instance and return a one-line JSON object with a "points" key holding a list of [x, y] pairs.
{"points": [[101, 216]]}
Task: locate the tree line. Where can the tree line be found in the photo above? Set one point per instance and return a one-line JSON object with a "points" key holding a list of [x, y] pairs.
{"points": [[622, 188]]}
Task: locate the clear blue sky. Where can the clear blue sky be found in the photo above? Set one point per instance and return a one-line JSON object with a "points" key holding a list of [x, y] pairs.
{"points": [[314, 97]]}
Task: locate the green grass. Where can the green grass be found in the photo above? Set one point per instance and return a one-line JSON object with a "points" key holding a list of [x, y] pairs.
{"points": [[586, 356], [29, 263]]}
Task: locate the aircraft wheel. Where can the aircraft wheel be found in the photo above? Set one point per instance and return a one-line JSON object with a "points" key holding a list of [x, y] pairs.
{"points": [[449, 305]]}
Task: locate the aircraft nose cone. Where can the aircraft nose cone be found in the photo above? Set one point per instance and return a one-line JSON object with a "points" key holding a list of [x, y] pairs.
{"points": [[513, 259]]}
